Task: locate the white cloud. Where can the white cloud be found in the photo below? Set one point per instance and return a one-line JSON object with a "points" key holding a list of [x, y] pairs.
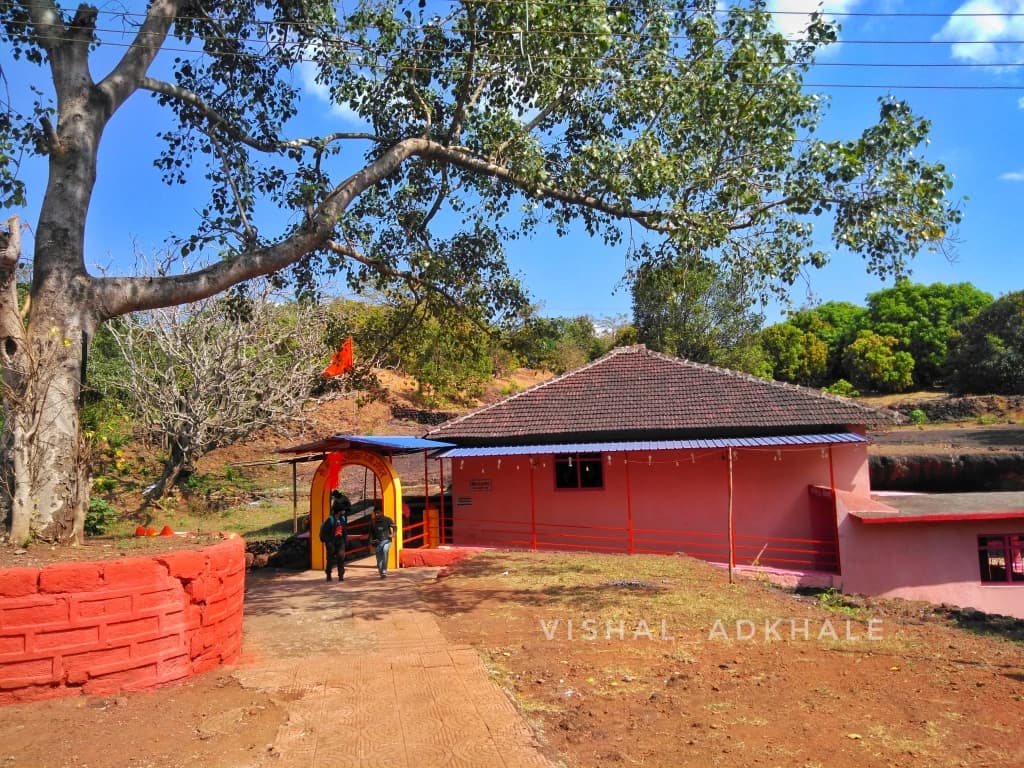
{"points": [[792, 16], [979, 35], [1013, 176], [307, 73]]}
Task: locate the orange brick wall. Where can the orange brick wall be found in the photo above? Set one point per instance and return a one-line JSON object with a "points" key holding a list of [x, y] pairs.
{"points": [[122, 625]]}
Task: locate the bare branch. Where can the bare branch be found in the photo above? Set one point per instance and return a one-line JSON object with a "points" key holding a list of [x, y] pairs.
{"points": [[200, 377]]}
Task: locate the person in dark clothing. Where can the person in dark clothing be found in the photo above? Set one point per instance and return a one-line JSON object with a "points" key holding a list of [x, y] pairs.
{"points": [[382, 529], [334, 534]]}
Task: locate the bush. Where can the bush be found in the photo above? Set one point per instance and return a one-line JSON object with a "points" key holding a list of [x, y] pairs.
{"points": [[874, 362], [917, 416], [103, 483], [843, 388], [99, 517]]}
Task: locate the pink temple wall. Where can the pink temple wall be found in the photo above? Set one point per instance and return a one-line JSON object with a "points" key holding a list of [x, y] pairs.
{"points": [[677, 501], [932, 561]]}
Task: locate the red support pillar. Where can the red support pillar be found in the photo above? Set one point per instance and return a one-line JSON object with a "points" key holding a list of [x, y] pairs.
{"points": [[629, 510], [835, 516], [440, 466], [533, 511], [732, 540]]}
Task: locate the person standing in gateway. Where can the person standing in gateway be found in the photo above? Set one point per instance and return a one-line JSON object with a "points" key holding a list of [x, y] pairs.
{"points": [[382, 530], [334, 533]]}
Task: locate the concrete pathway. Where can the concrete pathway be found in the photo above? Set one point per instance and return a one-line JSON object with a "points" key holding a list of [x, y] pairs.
{"points": [[368, 679]]}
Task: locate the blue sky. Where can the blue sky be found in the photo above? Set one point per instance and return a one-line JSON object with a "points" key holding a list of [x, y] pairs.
{"points": [[971, 92], [977, 133]]}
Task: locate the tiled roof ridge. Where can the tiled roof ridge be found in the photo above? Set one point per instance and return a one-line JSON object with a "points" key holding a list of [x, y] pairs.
{"points": [[887, 412], [534, 388], [641, 349]]}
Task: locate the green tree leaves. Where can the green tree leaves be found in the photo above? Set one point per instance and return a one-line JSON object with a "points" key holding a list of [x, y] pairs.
{"points": [[923, 318], [988, 355], [906, 330], [693, 309], [874, 363]]}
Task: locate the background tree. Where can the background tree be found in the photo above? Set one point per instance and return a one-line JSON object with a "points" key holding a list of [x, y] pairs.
{"points": [[450, 356], [923, 318], [835, 324], [694, 309], [200, 376], [874, 362], [794, 355], [556, 344], [988, 355], [679, 119]]}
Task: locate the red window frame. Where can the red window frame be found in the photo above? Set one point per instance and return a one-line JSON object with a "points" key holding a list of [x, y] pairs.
{"points": [[1001, 558]]}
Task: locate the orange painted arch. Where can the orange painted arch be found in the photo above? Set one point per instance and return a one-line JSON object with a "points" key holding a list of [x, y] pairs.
{"points": [[325, 480]]}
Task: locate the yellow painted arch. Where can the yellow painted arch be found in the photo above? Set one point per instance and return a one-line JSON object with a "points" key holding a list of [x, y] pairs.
{"points": [[325, 480]]}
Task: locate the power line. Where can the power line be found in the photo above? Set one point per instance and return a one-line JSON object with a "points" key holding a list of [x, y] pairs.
{"points": [[540, 59], [136, 18]]}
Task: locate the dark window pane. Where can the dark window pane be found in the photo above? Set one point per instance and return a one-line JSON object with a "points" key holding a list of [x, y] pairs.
{"points": [[566, 471], [578, 470], [590, 470], [992, 558]]}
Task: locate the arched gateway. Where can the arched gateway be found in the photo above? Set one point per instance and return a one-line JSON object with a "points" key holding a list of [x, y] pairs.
{"points": [[372, 452]]}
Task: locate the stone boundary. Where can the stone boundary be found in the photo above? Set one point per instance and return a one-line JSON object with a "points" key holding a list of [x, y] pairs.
{"points": [[99, 628]]}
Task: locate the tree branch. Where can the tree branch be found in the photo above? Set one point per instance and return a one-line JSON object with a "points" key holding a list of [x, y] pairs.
{"points": [[217, 120], [116, 296], [656, 221], [48, 24], [401, 274], [462, 94], [12, 329], [124, 79], [250, 238], [119, 295]]}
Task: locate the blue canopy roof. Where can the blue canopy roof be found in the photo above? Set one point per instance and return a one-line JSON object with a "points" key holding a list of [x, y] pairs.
{"points": [[654, 445], [377, 443]]}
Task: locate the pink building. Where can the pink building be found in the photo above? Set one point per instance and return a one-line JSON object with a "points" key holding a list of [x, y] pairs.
{"points": [[963, 549], [642, 452]]}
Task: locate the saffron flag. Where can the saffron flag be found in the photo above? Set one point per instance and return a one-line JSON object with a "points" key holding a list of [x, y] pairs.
{"points": [[341, 362]]}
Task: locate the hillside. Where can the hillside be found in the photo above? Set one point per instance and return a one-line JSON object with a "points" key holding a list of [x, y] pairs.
{"points": [[985, 424], [975, 423]]}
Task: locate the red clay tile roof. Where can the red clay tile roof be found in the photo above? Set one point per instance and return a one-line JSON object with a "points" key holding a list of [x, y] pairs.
{"points": [[634, 392]]}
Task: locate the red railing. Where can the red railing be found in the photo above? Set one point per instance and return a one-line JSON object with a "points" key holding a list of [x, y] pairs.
{"points": [[748, 549], [415, 535]]}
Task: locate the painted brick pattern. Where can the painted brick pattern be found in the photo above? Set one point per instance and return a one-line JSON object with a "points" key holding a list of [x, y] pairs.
{"points": [[104, 627]]}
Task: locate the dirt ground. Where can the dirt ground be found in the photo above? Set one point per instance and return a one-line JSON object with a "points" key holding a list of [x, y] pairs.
{"points": [[948, 438], [666, 664], [678, 667]]}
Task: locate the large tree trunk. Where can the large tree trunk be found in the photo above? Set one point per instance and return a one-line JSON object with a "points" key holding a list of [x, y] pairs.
{"points": [[50, 484], [45, 479]]}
